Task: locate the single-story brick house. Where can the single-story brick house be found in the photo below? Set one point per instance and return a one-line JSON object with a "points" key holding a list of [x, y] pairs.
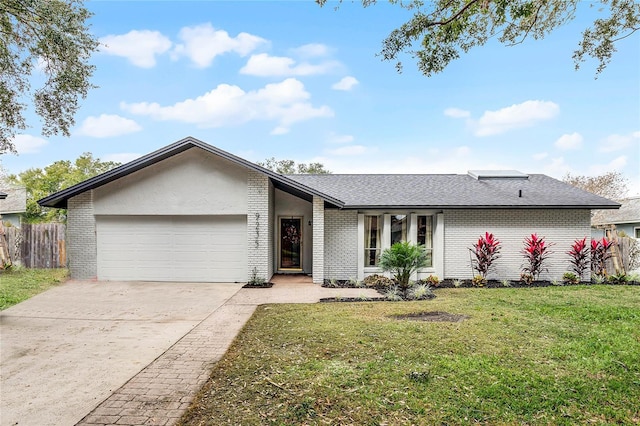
{"points": [[192, 212]]}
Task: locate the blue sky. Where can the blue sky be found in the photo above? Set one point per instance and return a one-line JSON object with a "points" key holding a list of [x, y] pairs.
{"points": [[296, 81]]}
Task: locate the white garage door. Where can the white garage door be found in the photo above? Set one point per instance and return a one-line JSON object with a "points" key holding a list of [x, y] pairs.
{"points": [[172, 248]]}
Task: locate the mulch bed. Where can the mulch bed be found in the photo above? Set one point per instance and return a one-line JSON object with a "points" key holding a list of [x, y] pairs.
{"points": [[432, 316], [263, 285], [352, 299]]}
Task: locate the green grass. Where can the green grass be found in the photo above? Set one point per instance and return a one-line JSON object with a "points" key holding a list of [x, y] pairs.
{"points": [[19, 284], [556, 355]]}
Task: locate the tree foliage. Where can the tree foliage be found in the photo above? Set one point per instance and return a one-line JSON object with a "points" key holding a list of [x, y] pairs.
{"points": [[289, 167], [53, 178], [611, 185], [440, 30], [50, 37]]}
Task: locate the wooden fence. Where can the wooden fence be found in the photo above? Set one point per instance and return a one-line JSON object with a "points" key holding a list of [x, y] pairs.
{"points": [[38, 246], [624, 255]]}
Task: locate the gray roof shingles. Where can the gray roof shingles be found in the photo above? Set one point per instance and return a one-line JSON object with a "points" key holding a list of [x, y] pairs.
{"points": [[629, 213], [15, 201], [451, 191]]}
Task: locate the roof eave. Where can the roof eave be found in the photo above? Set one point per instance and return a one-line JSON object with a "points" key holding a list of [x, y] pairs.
{"points": [[432, 207]]}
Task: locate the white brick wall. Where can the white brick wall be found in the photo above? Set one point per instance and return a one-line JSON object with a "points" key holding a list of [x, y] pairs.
{"points": [[259, 231], [317, 257], [340, 244], [81, 237], [558, 226]]}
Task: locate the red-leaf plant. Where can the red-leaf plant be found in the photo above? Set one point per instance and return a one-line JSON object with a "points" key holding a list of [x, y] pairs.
{"points": [[599, 255], [486, 252], [536, 251], [579, 254]]}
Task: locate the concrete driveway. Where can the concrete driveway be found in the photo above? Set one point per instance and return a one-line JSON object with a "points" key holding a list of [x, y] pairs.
{"points": [[66, 350]]}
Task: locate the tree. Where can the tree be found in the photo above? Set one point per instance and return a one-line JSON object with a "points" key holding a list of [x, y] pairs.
{"points": [[52, 38], [53, 178], [444, 29], [289, 167], [403, 259], [609, 185]]}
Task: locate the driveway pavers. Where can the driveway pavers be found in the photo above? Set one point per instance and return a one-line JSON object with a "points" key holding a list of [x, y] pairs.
{"points": [[64, 351], [159, 393]]}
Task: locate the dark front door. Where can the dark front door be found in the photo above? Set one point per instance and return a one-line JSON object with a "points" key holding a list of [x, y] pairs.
{"points": [[291, 243]]}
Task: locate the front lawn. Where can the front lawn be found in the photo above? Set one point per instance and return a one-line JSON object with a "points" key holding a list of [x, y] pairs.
{"points": [[20, 284], [555, 355]]}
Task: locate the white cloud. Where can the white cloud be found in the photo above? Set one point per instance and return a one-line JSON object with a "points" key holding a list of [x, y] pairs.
{"points": [[516, 116], [569, 141], [540, 156], [139, 47], [617, 163], [285, 103], [280, 130], [202, 43], [311, 50], [462, 151], [108, 126], [121, 157], [338, 139], [457, 113], [349, 150], [346, 83], [619, 142], [264, 65], [27, 144]]}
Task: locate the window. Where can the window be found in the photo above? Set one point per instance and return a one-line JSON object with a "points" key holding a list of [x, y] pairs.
{"points": [[398, 228], [636, 231], [372, 243], [425, 236]]}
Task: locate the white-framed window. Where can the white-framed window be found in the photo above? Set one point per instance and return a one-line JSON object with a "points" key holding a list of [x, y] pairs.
{"points": [[398, 228], [425, 236], [372, 239], [636, 232]]}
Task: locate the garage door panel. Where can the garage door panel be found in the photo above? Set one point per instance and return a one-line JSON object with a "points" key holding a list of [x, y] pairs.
{"points": [[172, 248]]}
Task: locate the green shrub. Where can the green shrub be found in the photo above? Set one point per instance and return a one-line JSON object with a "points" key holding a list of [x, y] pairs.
{"points": [[421, 292], [619, 278], [478, 281], [432, 280], [378, 281], [570, 278], [526, 278]]}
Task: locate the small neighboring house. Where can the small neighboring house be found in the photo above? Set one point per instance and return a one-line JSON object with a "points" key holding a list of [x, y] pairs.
{"points": [[13, 204], [626, 219], [193, 212]]}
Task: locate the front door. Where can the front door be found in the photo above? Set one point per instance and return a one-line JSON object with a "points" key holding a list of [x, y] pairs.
{"points": [[291, 243]]}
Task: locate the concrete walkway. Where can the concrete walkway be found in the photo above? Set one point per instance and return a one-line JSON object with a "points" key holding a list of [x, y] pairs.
{"points": [[196, 322]]}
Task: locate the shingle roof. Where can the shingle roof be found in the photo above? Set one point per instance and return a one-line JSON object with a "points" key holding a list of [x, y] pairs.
{"points": [[452, 191], [393, 191], [15, 201], [629, 212]]}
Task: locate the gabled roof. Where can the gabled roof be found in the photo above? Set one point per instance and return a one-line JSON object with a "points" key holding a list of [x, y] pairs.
{"points": [[453, 191], [629, 213], [59, 199], [15, 200], [481, 189]]}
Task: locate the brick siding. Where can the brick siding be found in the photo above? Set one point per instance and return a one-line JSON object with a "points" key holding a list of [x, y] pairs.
{"points": [[81, 237], [559, 226], [340, 244], [259, 230]]}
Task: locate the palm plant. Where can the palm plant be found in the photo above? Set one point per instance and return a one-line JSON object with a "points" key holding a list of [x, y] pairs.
{"points": [[403, 259]]}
